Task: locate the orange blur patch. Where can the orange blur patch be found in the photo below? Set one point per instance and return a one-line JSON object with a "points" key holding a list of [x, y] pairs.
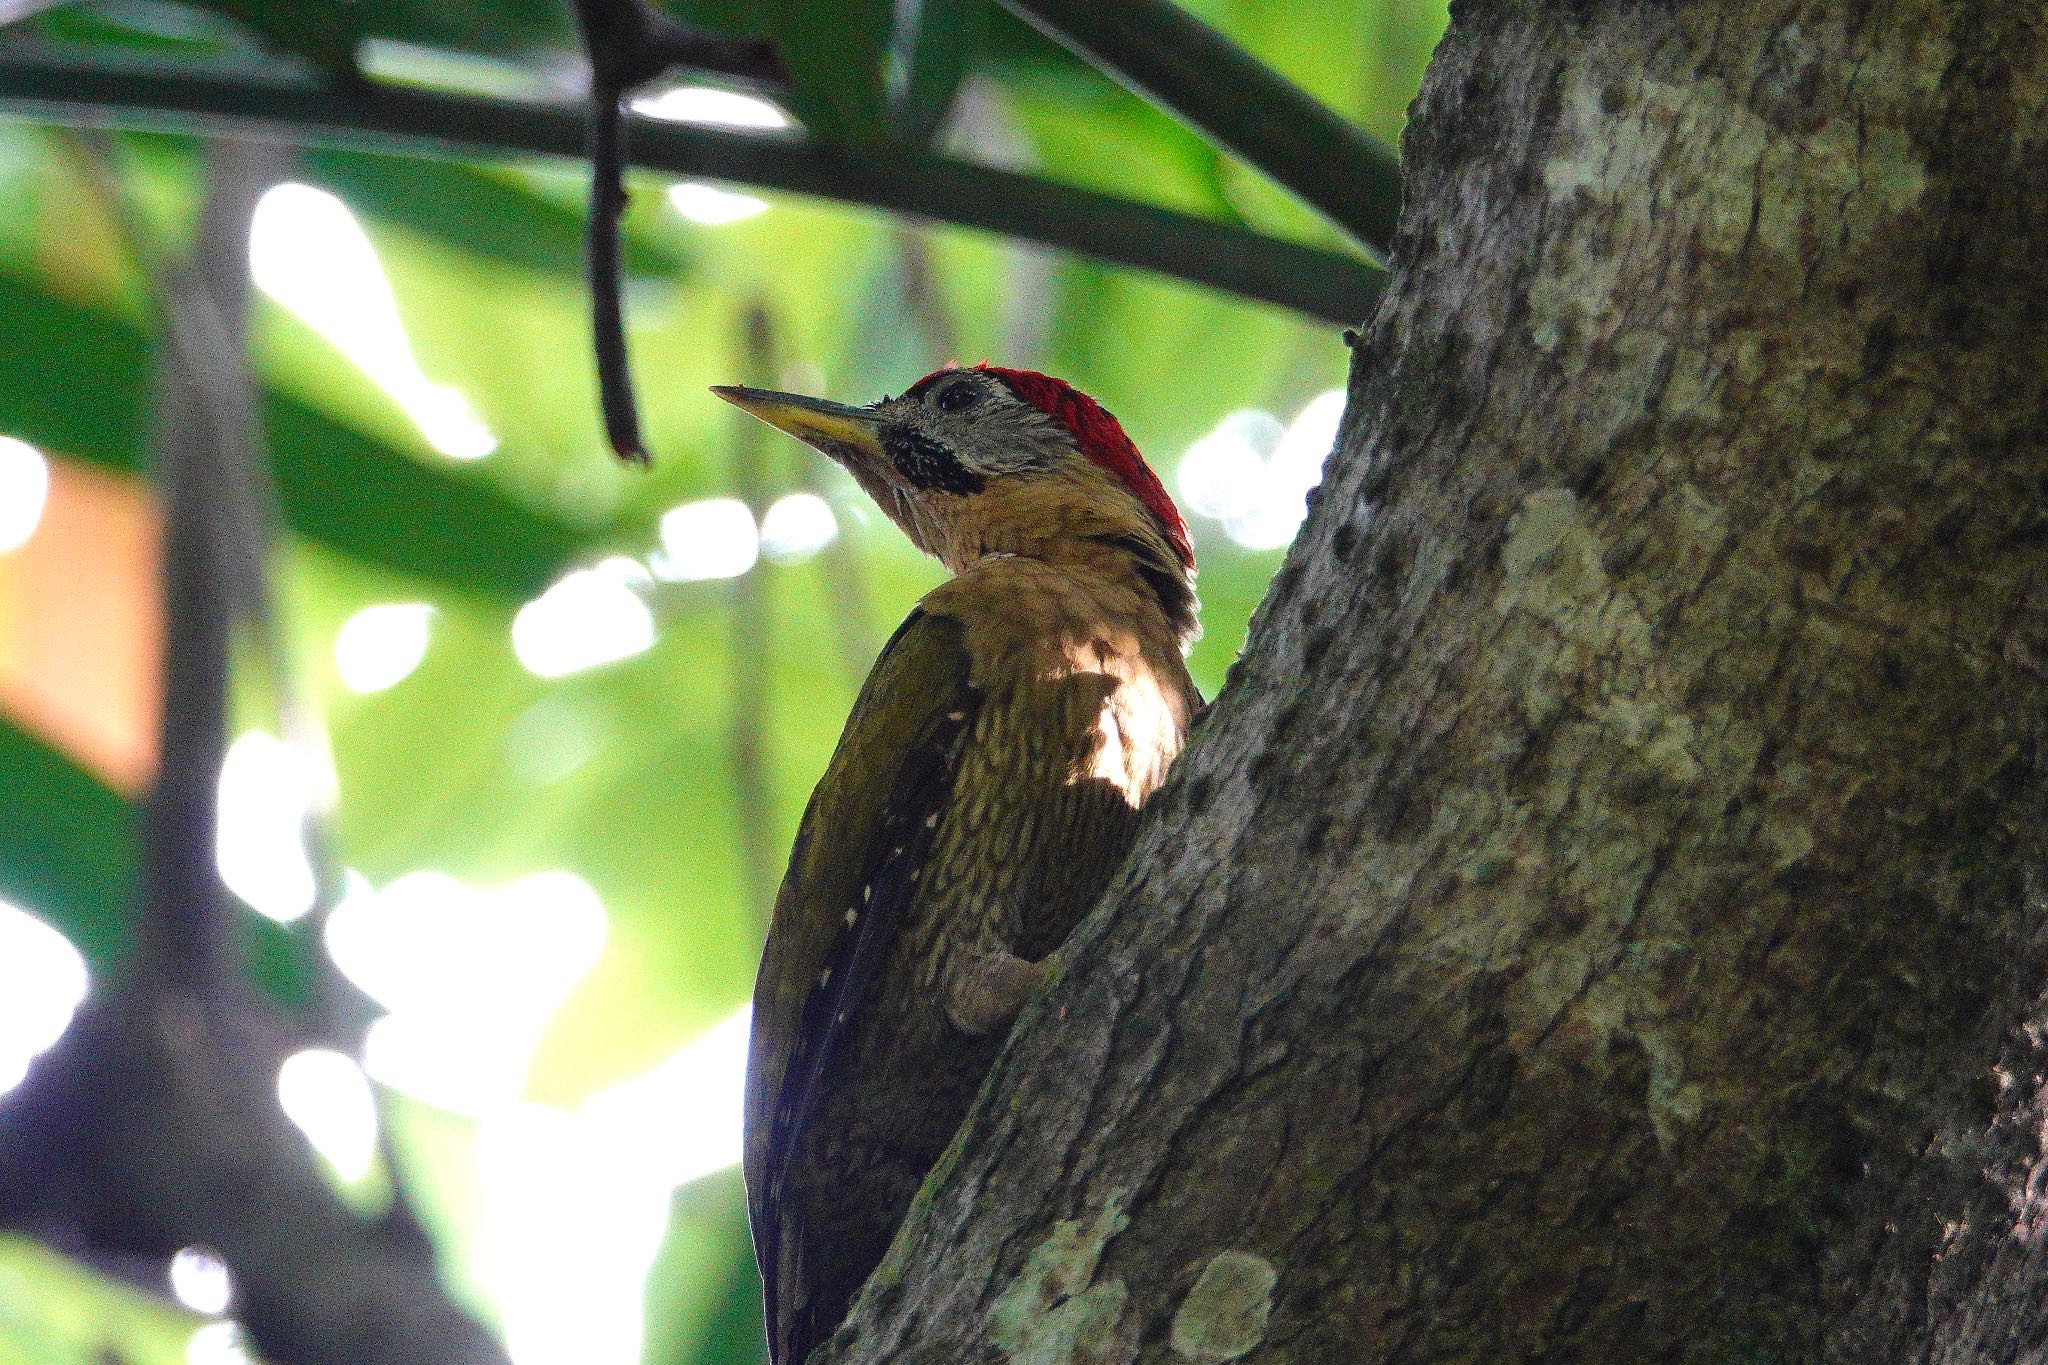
{"points": [[81, 625]]}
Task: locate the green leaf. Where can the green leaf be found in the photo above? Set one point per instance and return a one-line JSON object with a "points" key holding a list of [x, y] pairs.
{"points": [[145, 26], [323, 35], [943, 38], [739, 17], [475, 208], [78, 383], [1102, 137], [67, 846], [55, 1311], [837, 53], [495, 27]]}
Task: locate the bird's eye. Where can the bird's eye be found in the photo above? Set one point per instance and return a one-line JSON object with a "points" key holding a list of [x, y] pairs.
{"points": [[958, 398]]}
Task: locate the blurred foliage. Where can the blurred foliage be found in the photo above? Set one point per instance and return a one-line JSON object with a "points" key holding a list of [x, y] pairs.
{"points": [[621, 774], [51, 1312]]}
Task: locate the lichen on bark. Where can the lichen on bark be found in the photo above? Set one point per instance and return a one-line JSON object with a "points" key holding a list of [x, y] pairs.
{"points": [[1055, 1312], [1224, 1315]]}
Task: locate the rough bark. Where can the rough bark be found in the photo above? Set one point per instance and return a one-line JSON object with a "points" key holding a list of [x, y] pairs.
{"points": [[1603, 918]]}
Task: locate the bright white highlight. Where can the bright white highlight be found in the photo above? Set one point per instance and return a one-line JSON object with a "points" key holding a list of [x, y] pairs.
{"points": [[267, 790], [24, 489], [714, 538], [712, 108], [310, 254], [796, 527], [326, 1094], [1218, 473], [470, 976], [589, 617], [200, 1280], [681, 1121], [380, 646], [575, 1204], [712, 206], [218, 1343], [1254, 475], [42, 984], [567, 1237]]}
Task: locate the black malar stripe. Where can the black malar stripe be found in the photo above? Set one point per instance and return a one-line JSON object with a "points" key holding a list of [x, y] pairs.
{"points": [[927, 463]]}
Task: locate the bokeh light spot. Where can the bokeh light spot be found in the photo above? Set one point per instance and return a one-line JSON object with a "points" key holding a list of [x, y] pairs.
{"points": [[218, 1343], [1253, 474], [714, 538], [326, 1094], [24, 489], [380, 646], [42, 983], [309, 253], [796, 527], [470, 975], [268, 789], [589, 617], [711, 107], [683, 1116], [575, 1203], [710, 206], [200, 1280]]}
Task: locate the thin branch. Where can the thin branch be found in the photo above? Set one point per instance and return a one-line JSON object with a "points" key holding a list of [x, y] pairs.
{"points": [[607, 290], [207, 431], [259, 102], [630, 43], [1175, 60]]}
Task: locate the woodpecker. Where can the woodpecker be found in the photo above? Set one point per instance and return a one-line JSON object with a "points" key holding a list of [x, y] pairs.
{"points": [[987, 784]]}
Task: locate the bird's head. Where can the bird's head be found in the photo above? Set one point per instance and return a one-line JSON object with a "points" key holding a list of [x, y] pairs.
{"points": [[981, 461]]}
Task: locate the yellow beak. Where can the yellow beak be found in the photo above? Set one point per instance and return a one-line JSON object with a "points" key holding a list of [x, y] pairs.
{"points": [[849, 435]]}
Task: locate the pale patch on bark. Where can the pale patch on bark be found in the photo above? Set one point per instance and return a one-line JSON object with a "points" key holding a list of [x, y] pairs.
{"points": [[1224, 1316], [1608, 149], [1599, 674], [1054, 1313]]}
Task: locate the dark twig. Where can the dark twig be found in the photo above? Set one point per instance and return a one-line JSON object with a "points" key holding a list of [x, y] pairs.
{"points": [[607, 289], [630, 43], [260, 102], [1177, 61]]}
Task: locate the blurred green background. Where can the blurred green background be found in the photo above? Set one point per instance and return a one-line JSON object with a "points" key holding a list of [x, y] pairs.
{"points": [[565, 714]]}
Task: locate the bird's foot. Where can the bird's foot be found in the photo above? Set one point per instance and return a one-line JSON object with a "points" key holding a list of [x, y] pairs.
{"points": [[986, 988]]}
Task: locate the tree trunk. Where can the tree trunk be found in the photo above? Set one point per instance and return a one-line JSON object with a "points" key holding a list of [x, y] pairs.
{"points": [[1604, 918]]}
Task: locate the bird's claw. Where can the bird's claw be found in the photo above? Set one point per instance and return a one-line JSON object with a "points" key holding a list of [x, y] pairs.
{"points": [[987, 988]]}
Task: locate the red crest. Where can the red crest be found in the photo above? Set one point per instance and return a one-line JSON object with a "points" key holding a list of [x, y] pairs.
{"points": [[1102, 439]]}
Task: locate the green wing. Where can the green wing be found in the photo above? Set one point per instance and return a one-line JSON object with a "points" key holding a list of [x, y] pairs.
{"points": [[848, 887]]}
